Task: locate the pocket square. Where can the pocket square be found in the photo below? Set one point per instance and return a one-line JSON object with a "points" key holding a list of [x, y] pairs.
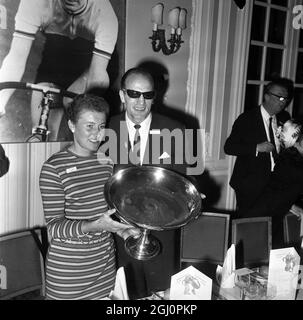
{"points": [[155, 131], [164, 155]]}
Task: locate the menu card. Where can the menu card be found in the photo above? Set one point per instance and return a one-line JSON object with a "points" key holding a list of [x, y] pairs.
{"points": [[283, 272], [120, 290], [190, 284]]}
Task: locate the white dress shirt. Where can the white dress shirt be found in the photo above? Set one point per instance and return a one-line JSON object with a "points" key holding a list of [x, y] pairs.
{"points": [[144, 131], [265, 117]]}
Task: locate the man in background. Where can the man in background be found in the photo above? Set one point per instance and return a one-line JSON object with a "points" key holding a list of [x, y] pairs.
{"points": [[253, 142]]}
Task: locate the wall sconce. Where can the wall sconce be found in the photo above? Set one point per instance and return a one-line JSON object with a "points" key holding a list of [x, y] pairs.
{"points": [[177, 22]]}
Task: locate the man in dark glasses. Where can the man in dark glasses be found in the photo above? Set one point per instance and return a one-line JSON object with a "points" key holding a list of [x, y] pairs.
{"points": [[137, 95], [253, 141]]}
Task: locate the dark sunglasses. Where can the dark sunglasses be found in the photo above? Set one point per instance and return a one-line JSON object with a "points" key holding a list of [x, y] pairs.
{"points": [[137, 94], [281, 98]]}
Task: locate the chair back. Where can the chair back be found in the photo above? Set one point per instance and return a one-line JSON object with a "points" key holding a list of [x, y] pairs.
{"points": [[205, 239], [253, 240], [292, 228], [21, 256]]}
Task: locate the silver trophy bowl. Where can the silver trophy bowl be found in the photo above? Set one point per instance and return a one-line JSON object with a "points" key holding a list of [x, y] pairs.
{"points": [[151, 198]]}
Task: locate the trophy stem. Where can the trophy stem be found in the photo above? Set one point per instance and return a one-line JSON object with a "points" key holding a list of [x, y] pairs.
{"points": [[143, 247]]}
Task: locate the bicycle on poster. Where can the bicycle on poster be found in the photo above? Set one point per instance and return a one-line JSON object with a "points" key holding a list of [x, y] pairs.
{"points": [[40, 131]]}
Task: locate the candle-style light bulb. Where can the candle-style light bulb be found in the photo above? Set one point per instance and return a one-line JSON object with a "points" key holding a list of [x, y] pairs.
{"points": [[182, 18], [173, 19], [157, 15], [182, 21]]}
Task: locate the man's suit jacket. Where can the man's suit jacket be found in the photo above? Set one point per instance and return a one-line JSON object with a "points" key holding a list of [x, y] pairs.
{"points": [[284, 189], [251, 172], [159, 122], [152, 275]]}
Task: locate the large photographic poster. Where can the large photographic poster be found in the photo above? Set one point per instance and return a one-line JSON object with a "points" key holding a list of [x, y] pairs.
{"points": [[18, 123]]}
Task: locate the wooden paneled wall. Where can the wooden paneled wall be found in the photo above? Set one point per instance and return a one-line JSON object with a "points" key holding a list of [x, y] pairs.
{"points": [[20, 200]]}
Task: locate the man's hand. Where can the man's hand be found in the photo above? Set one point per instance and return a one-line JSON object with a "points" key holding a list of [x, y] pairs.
{"points": [[265, 146], [13, 67]]}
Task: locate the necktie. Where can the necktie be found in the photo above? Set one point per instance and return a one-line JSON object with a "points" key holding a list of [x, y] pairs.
{"points": [[135, 153], [272, 139]]}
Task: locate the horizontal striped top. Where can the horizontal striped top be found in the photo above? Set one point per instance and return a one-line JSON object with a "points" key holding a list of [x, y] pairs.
{"points": [[72, 190]]}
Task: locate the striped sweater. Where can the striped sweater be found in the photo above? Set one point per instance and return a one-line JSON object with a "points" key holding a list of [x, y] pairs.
{"points": [[79, 266]]}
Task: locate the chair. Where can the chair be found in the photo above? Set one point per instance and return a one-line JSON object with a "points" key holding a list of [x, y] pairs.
{"points": [[21, 254], [292, 227], [253, 240], [204, 242]]}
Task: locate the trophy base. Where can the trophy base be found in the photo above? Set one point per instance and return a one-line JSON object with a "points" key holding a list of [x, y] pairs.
{"points": [[144, 247]]}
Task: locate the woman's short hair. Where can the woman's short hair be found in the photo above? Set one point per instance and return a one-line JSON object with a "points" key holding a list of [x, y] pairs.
{"points": [[292, 133], [88, 102]]}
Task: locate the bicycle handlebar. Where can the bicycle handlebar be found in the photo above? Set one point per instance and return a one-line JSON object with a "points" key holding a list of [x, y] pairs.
{"points": [[37, 87]]}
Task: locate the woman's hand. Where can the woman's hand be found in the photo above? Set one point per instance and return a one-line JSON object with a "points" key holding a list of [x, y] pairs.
{"points": [[265, 146], [105, 222]]}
